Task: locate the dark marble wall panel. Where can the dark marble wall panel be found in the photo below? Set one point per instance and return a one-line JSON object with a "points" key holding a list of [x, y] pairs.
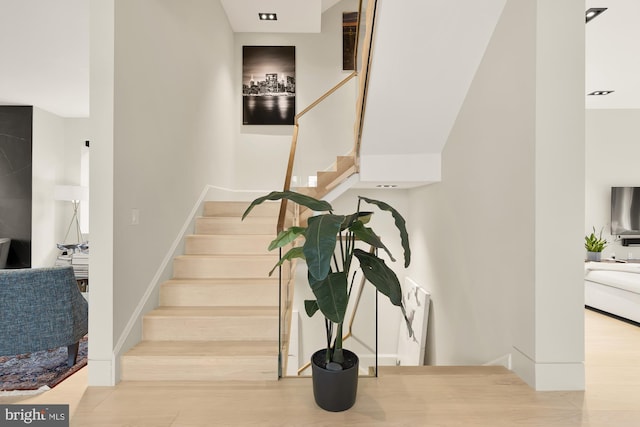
{"points": [[15, 182]]}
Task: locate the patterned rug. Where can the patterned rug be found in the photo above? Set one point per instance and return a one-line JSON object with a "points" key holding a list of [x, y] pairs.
{"points": [[40, 369]]}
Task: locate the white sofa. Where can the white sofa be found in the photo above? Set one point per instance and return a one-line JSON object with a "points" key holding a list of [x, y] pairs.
{"points": [[613, 288]]}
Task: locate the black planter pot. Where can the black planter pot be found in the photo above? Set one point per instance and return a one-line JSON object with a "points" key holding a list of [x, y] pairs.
{"points": [[333, 390]]}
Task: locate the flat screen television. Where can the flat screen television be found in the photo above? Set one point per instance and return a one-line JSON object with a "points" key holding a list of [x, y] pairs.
{"points": [[625, 211]]}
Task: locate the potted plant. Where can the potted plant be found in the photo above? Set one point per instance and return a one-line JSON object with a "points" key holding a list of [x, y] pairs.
{"points": [[594, 245], [329, 249]]}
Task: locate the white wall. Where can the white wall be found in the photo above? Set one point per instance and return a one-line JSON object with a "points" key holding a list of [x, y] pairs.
{"points": [[101, 267], [324, 132], [173, 82], [474, 229], [56, 161], [558, 360], [611, 152], [48, 157], [77, 132], [482, 235]]}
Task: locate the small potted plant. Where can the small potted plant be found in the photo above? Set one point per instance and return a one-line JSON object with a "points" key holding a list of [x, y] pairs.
{"points": [[594, 245], [329, 249]]}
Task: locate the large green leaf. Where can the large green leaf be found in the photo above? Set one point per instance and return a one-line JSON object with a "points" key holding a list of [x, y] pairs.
{"points": [[320, 243], [367, 235], [311, 306], [380, 275], [400, 224], [291, 254], [286, 236], [301, 199], [363, 217], [331, 295]]}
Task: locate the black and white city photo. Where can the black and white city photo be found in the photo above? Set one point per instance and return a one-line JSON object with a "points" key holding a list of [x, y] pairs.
{"points": [[268, 85]]}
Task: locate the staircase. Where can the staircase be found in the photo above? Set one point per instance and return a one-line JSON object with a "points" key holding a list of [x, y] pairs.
{"points": [[327, 180], [218, 316]]}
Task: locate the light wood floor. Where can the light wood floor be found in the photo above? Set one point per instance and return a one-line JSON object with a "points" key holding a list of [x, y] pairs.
{"points": [[438, 396]]}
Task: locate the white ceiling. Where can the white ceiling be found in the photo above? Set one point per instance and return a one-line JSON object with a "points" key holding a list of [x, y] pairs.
{"points": [[44, 49], [294, 16], [613, 54]]}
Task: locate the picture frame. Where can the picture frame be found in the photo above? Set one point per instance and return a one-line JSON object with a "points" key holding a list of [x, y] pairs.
{"points": [[268, 85], [349, 30]]}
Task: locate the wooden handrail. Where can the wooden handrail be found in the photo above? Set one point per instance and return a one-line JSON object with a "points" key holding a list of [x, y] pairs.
{"points": [[360, 106], [364, 80], [294, 145], [325, 96]]}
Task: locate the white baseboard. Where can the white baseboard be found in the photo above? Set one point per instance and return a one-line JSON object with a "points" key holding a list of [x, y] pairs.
{"points": [[501, 361], [100, 373], [342, 188], [367, 360], [560, 376]]}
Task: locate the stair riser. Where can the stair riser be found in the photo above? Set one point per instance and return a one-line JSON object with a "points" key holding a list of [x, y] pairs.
{"points": [[325, 178], [329, 181], [184, 295], [225, 267], [267, 209], [255, 328], [190, 368], [206, 225], [344, 165], [227, 244]]}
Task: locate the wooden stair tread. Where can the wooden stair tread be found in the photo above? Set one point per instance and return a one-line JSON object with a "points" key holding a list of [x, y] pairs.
{"points": [[233, 225], [230, 256], [204, 348], [237, 209], [225, 266], [212, 244], [238, 220], [264, 236], [343, 168], [339, 171], [182, 312], [443, 370], [219, 292], [217, 281], [231, 236]]}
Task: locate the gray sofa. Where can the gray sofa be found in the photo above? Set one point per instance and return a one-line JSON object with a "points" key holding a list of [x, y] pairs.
{"points": [[40, 309], [5, 243]]}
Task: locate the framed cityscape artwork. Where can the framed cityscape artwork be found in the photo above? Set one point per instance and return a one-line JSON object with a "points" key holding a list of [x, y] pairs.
{"points": [[349, 29], [268, 85]]}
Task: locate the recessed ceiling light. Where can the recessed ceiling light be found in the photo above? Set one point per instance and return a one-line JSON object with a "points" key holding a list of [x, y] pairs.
{"points": [[267, 16], [593, 12], [600, 92]]}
